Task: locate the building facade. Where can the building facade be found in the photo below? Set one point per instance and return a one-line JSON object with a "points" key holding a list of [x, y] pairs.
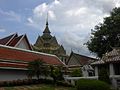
{"points": [[111, 62], [14, 62], [15, 54], [76, 61]]}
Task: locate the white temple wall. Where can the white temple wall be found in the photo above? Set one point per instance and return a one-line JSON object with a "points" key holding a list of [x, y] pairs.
{"points": [[9, 75]]}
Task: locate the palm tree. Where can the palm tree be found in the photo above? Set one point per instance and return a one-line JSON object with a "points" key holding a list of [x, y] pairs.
{"points": [[36, 68]]}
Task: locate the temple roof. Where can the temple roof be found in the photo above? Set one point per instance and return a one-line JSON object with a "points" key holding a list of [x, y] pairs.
{"points": [[48, 43], [15, 57], [13, 40], [81, 59], [8, 39], [46, 30], [110, 57]]}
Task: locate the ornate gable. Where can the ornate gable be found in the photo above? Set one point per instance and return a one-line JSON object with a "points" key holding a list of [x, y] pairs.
{"points": [[16, 41], [24, 43], [8, 39], [76, 59]]}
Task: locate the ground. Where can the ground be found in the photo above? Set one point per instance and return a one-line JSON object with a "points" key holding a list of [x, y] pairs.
{"points": [[37, 87]]}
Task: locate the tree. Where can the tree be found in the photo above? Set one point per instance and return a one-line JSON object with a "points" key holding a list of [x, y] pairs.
{"points": [[36, 68], [56, 73], [106, 35], [46, 71]]}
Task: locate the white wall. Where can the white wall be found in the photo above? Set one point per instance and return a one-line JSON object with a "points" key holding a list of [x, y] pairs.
{"points": [[23, 44], [8, 75]]}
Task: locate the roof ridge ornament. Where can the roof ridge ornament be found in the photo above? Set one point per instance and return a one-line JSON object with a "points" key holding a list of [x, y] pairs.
{"points": [[47, 19], [46, 30]]}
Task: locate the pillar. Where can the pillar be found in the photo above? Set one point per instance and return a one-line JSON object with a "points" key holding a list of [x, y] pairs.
{"points": [[112, 73], [111, 69], [96, 71], [72, 81]]}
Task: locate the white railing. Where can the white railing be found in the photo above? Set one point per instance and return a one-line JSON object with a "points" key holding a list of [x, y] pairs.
{"points": [[114, 78], [72, 80], [77, 78]]}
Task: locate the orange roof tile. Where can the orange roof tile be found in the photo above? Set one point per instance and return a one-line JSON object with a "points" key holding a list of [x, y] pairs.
{"points": [[13, 65], [10, 53], [7, 39]]}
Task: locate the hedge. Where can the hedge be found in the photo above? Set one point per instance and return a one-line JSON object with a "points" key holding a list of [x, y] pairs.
{"points": [[87, 84]]}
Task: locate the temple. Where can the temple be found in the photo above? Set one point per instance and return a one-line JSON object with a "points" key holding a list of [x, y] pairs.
{"points": [[48, 44], [15, 54]]}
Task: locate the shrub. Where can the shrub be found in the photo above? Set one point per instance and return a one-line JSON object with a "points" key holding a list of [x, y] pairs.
{"points": [[104, 76], [56, 73], [86, 84], [76, 73], [65, 84]]}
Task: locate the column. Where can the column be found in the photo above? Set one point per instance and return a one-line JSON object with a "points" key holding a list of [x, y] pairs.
{"points": [[113, 80], [111, 69], [72, 81], [96, 71]]}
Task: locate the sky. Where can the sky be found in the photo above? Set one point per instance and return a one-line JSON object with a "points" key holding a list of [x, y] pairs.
{"points": [[70, 21]]}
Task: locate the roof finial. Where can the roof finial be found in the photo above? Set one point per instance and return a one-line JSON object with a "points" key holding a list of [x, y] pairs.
{"points": [[46, 28], [47, 19]]}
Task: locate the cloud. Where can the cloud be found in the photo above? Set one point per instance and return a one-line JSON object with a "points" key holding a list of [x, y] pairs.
{"points": [[117, 3], [10, 15], [71, 20], [2, 30]]}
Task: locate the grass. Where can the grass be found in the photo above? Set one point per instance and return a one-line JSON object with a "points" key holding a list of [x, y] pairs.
{"points": [[38, 87]]}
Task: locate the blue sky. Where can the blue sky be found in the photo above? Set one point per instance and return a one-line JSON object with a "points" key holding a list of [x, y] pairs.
{"points": [[14, 14], [70, 21]]}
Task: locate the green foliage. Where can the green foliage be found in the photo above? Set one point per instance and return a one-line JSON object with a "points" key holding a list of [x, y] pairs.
{"points": [[104, 35], [85, 84], [104, 76], [46, 71], [56, 73], [36, 68], [38, 87], [76, 73]]}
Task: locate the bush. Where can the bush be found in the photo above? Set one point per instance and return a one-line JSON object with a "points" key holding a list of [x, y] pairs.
{"points": [[104, 76], [62, 83], [32, 82], [56, 73], [85, 84], [76, 73]]}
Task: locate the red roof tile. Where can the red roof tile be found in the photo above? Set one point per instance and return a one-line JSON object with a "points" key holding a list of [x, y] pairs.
{"points": [[15, 41], [13, 65], [6, 40], [8, 53]]}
